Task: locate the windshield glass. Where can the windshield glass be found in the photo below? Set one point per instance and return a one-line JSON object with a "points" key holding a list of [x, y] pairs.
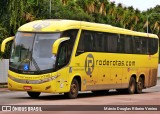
{"points": [[33, 52]]}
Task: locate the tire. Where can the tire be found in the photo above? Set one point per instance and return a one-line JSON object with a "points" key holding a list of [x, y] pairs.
{"points": [[139, 86], [33, 94], [132, 86], [100, 92], [73, 93]]}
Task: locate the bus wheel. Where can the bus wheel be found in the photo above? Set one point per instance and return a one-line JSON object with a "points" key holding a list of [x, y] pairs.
{"points": [[132, 86], [33, 94], [100, 92], [139, 86], [73, 93]]}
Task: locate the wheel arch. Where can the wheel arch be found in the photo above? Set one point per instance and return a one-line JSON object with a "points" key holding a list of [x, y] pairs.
{"points": [[134, 76], [78, 78]]}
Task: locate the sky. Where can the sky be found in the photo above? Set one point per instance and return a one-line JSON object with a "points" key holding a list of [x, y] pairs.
{"points": [[142, 5]]}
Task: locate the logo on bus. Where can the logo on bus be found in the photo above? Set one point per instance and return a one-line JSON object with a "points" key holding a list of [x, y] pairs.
{"points": [[26, 67], [89, 64], [41, 25]]}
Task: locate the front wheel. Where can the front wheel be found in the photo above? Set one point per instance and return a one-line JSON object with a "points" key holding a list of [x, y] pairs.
{"points": [[33, 94], [74, 88]]}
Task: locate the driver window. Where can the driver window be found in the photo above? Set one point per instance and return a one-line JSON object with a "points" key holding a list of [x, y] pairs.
{"points": [[62, 59]]}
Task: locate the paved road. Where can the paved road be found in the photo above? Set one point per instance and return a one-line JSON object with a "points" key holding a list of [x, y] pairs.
{"points": [[150, 96]]}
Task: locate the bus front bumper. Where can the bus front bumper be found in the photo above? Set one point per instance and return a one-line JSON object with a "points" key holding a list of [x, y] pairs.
{"points": [[47, 87], [47, 83]]}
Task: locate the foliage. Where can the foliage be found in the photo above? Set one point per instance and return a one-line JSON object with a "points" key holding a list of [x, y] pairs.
{"points": [[14, 13], [3, 35]]}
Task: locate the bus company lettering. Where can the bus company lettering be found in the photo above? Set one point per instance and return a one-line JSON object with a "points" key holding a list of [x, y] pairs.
{"points": [[90, 63], [115, 63]]}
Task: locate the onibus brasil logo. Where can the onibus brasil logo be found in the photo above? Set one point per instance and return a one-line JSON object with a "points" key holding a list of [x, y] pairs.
{"points": [[89, 64]]}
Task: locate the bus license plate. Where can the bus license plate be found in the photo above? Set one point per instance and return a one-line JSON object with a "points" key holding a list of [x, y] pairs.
{"points": [[27, 87]]}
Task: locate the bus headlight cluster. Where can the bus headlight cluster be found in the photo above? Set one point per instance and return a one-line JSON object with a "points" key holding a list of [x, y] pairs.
{"points": [[49, 79], [33, 81]]}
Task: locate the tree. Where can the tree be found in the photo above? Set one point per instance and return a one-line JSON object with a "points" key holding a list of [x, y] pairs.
{"points": [[3, 35], [16, 9], [68, 12]]}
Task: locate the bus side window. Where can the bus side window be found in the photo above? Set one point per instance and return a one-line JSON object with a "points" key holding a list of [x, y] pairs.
{"points": [[62, 56], [128, 44], [85, 42], [106, 42], [80, 48], [112, 43], [99, 42], [121, 44], [72, 34], [153, 45], [137, 45], [88, 42], [144, 46]]}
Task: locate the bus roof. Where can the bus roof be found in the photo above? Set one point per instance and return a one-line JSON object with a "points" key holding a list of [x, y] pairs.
{"points": [[57, 25]]}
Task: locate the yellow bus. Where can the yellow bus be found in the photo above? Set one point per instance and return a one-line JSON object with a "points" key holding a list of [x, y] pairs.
{"points": [[67, 56]]}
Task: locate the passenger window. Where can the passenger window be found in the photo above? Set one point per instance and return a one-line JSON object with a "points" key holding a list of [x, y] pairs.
{"points": [[112, 43], [99, 42], [137, 45], [145, 46], [153, 45], [121, 44], [86, 42], [128, 44], [92, 41]]}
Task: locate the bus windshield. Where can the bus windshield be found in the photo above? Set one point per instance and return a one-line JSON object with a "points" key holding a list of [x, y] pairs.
{"points": [[32, 52]]}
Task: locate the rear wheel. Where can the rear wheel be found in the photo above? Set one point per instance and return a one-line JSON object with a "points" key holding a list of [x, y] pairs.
{"points": [[139, 86], [33, 94], [73, 93], [132, 86]]}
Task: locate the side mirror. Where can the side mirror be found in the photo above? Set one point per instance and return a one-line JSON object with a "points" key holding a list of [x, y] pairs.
{"points": [[56, 44], [5, 41]]}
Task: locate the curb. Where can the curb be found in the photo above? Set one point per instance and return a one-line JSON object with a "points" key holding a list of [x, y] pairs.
{"points": [[4, 89]]}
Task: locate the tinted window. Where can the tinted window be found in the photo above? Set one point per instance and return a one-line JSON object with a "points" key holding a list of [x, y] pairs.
{"points": [[112, 43], [99, 42], [145, 45], [153, 45], [115, 43], [85, 42]]}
